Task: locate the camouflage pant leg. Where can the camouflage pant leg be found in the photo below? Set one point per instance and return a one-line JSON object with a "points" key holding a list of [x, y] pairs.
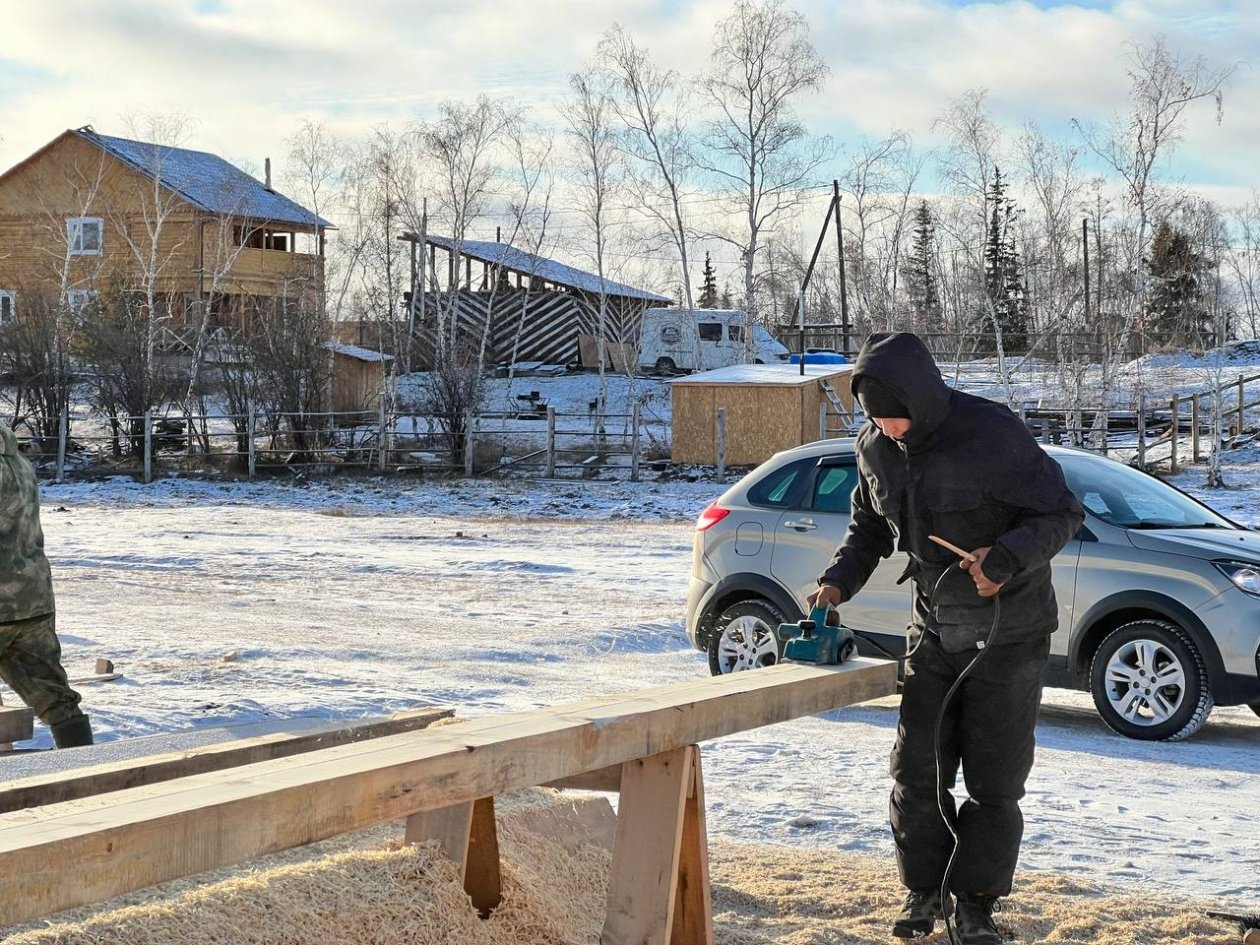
{"points": [[30, 664]]}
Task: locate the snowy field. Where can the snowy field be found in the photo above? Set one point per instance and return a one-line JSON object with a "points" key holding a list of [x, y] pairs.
{"points": [[353, 598]]}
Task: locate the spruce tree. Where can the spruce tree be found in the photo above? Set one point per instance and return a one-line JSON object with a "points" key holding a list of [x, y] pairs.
{"points": [[1003, 282], [726, 297], [920, 273], [708, 291], [1175, 307]]}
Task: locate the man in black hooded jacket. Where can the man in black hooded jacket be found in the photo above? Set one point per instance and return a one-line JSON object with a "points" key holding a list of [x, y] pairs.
{"points": [[935, 461]]}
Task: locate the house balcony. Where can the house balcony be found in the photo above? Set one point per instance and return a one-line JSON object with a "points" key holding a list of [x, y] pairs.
{"points": [[264, 271]]}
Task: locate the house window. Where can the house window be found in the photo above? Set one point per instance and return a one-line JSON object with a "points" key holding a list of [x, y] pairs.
{"points": [[710, 331], [79, 299], [85, 235], [736, 332], [8, 305]]}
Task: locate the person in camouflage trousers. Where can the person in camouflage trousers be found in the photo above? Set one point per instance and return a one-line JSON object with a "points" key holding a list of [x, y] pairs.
{"points": [[30, 653]]}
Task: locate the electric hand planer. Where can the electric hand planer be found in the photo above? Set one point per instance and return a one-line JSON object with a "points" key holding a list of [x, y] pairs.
{"points": [[817, 639]]}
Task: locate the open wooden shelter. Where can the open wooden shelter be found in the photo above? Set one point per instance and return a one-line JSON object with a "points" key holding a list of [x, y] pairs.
{"points": [[534, 308]]}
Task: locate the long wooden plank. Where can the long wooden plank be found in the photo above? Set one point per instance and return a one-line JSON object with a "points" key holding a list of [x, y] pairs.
{"points": [[153, 769], [83, 851]]}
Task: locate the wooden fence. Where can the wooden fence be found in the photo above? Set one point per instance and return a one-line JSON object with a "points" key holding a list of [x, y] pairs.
{"points": [[536, 440]]}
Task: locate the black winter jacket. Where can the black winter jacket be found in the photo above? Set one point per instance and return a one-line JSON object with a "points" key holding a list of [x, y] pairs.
{"points": [[970, 472]]}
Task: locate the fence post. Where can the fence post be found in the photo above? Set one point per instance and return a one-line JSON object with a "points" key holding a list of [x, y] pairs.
{"points": [[822, 421], [1173, 431], [634, 443], [551, 442], [1141, 430], [721, 442], [469, 420], [1106, 422], [63, 433], [1194, 427], [148, 446], [251, 446], [383, 437], [1242, 400]]}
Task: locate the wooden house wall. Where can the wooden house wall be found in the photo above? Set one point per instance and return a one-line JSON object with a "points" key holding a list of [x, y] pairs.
{"points": [[73, 178]]}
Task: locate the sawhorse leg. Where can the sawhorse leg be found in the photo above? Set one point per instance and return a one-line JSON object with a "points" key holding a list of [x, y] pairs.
{"points": [[658, 887], [467, 835]]}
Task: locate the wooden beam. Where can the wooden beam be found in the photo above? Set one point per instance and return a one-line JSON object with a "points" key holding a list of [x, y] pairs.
{"points": [[153, 769], [83, 851], [17, 723], [605, 779]]}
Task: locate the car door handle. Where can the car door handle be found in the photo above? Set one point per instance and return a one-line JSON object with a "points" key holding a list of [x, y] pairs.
{"points": [[801, 525]]}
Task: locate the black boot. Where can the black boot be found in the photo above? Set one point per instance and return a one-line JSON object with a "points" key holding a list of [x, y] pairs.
{"points": [[72, 733], [973, 921], [919, 914]]}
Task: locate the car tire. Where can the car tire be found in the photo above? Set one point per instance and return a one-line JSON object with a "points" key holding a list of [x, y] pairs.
{"points": [[1133, 655], [666, 367], [728, 651]]}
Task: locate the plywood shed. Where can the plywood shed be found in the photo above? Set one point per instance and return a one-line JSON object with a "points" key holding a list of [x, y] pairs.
{"points": [[769, 407], [358, 377]]}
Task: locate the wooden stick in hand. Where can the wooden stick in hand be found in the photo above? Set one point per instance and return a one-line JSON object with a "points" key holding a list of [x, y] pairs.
{"points": [[967, 556]]}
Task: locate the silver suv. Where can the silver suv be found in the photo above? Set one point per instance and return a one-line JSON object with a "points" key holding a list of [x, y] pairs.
{"points": [[1159, 596]]}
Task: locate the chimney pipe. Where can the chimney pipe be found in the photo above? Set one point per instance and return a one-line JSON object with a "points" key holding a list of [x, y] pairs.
{"points": [[267, 165]]}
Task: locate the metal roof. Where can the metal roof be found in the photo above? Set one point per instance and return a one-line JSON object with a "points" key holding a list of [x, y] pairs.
{"points": [[206, 180], [530, 264]]}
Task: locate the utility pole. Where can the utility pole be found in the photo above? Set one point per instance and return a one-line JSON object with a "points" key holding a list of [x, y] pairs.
{"points": [[800, 302], [1085, 247], [845, 328]]}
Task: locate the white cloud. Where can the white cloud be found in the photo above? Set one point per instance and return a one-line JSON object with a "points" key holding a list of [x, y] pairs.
{"points": [[248, 70]]}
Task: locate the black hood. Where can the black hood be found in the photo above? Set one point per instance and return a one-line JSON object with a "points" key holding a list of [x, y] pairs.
{"points": [[902, 363]]}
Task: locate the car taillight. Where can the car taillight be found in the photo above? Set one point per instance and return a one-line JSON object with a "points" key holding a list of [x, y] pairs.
{"points": [[712, 514]]}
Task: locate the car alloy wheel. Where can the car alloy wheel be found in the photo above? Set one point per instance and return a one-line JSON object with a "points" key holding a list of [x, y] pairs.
{"points": [[744, 637], [1149, 682]]}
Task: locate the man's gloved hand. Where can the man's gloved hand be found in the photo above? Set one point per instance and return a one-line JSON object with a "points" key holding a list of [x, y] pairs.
{"points": [[984, 587], [827, 594]]}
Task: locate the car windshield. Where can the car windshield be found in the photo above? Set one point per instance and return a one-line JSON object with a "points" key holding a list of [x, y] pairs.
{"points": [[1126, 497]]}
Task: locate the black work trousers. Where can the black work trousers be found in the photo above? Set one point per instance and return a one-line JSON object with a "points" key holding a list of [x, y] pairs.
{"points": [[988, 727]]}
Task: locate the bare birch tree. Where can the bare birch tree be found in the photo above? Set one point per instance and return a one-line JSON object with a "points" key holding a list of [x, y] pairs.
{"points": [[650, 104], [588, 114], [1163, 84], [763, 157]]}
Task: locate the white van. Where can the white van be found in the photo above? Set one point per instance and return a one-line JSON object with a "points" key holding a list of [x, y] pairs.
{"points": [[679, 339]]}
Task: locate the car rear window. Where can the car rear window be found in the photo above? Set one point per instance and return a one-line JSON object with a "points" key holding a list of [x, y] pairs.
{"points": [[781, 487], [833, 488]]}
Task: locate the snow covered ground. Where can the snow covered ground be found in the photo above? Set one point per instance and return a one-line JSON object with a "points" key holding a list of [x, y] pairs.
{"points": [[360, 597]]}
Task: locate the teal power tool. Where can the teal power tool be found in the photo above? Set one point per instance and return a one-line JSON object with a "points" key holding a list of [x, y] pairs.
{"points": [[816, 640]]}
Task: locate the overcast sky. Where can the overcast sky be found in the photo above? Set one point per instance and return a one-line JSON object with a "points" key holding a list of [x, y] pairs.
{"points": [[247, 71]]}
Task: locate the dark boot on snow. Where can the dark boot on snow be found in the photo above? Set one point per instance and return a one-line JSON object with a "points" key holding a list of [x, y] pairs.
{"points": [[973, 921], [919, 914], [72, 733]]}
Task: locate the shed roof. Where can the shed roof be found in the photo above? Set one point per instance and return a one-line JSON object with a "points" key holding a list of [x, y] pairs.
{"points": [[354, 351], [531, 264], [760, 375], [205, 180]]}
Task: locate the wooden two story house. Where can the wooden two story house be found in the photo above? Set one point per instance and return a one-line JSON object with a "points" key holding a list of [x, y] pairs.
{"points": [[174, 228]]}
